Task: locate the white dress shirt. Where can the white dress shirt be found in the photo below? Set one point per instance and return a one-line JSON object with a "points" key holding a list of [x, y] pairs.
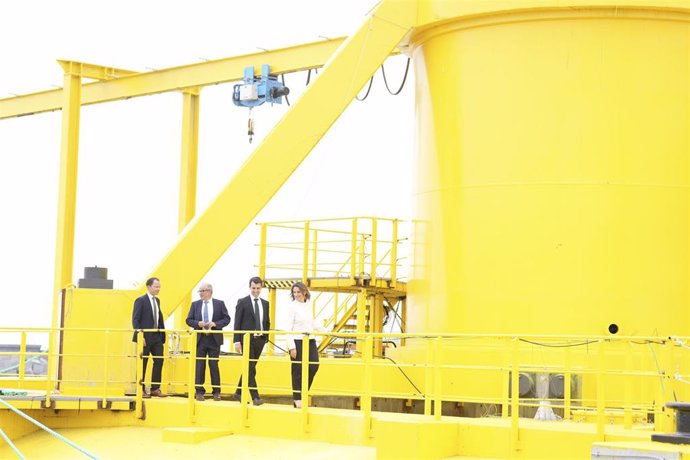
{"points": [[301, 319]]}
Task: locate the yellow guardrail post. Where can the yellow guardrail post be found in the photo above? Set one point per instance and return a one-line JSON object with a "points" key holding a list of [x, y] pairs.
{"points": [[361, 311], [427, 377], [394, 255], [22, 358], [104, 399], [627, 387], [438, 384], [262, 252], [374, 243], [600, 392], [305, 253], [314, 251], [165, 374], [353, 251], [51, 366], [403, 318], [191, 376], [362, 255], [505, 404], [245, 380], [139, 375], [272, 295], [336, 306], [567, 382], [662, 420], [305, 383], [515, 395], [365, 403]]}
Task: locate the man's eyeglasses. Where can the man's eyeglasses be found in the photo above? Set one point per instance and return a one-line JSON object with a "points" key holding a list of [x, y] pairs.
{"points": [[204, 290]]}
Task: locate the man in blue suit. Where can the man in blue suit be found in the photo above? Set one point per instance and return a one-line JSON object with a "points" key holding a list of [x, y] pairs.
{"points": [[147, 315], [206, 314]]}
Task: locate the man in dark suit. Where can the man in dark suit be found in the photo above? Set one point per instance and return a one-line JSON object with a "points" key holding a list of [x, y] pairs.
{"points": [[208, 314], [251, 314], [147, 315]]}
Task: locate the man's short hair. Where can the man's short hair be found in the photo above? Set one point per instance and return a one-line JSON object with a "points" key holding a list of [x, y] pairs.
{"points": [[149, 282], [256, 280]]}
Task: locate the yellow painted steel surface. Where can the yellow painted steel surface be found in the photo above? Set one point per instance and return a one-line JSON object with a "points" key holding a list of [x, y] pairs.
{"points": [[553, 170]]}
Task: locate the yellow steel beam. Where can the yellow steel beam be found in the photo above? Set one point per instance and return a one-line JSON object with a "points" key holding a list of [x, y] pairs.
{"points": [[97, 72], [282, 60], [207, 237]]}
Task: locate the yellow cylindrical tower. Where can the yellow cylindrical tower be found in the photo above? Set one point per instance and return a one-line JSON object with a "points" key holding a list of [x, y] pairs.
{"points": [[553, 162]]}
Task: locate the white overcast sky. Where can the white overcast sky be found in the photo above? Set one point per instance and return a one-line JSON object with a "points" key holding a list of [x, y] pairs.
{"points": [[127, 200]]}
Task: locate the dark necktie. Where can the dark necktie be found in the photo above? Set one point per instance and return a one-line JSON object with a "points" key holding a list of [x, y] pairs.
{"points": [[205, 311], [257, 318], [155, 312]]}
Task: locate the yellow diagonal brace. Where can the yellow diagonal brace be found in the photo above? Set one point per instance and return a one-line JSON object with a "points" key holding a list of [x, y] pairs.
{"points": [[94, 71], [207, 237], [283, 60]]}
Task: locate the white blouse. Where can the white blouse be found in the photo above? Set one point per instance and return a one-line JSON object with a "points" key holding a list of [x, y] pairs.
{"points": [[300, 319]]}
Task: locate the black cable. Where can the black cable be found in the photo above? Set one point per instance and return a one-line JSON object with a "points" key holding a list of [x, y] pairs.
{"points": [[282, 79], [402, 372], [371, 80], [383, 71], [402, 323], [316, 72], [560, 345]]}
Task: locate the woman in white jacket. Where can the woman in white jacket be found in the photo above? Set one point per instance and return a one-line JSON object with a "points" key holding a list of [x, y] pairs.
{"points": [[300, 318]]}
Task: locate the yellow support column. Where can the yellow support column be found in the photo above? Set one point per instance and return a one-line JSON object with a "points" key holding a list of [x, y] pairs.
{"points": [[67, 195], [188, 179]]}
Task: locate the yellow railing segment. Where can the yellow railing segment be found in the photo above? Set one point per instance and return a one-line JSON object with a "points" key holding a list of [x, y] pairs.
{"points": [[486, 370], [361, 249]]}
